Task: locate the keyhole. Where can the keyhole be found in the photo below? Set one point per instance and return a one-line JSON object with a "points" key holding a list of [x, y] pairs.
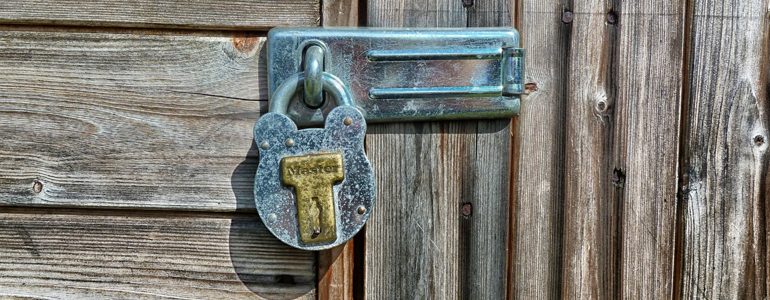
{"points": [[316, 213]]}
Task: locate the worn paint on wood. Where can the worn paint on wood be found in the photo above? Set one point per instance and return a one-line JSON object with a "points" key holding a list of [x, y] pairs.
{"points": [[209, 14], [108, 255], [129, 120], [419, 244], [725, 160]]}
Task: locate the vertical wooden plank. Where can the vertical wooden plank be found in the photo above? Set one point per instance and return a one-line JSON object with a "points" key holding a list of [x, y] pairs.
{"points": [[335, 272], [725, 160], [412, 236], [335, 266], [438, 230], [339, 12], [539, 173], [624, 102], [486, 276], [591, 251], [650, 58]]}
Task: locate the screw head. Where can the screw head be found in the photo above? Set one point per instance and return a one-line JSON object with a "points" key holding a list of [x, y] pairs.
{"points": [[759, 140], [361, 209], [289, 143], [264, 145], [271, 218], [37, 187], [348, 121]]}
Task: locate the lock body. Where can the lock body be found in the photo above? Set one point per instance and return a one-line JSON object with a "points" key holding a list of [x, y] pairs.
{"points": [[296, 166]]}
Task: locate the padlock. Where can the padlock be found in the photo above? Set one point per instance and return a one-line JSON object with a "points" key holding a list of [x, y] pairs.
{"points": [[314, 188]]}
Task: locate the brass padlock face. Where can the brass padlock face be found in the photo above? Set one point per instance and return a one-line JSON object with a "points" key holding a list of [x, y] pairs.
{"points": [[312, 177], [282, 148]]}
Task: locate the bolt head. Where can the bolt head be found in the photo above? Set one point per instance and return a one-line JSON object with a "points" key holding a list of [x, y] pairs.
{"points": [[361, 209], [348, 121], [289, 143], [264, 145], [271, 218]]}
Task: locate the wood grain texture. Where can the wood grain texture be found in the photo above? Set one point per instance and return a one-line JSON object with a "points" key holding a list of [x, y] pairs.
{"points": [[538, 187], [335, 273], [339, 12], [335, 266], [591, 211], [725, 160], [647, 109], [108, 255], [623, 113], [208, 14], [419, 243], [129, 120]]}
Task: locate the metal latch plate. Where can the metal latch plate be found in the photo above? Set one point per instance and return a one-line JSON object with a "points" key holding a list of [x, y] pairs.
{"points": [[407, 74]]}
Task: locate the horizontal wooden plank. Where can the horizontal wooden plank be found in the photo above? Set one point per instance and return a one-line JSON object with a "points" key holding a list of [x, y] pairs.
{"points": [[129, 120], [113, 255], [210, 14]]}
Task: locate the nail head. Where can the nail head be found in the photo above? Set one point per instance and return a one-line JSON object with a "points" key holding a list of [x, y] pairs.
{"points": [[567, 17], [467, 209]]}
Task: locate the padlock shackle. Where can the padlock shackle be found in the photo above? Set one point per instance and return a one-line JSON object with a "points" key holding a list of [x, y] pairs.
{"points": [[331, 84]]}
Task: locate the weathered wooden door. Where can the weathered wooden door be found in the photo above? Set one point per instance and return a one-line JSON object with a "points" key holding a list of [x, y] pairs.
{"points": [[127, 161], [637, 168]]}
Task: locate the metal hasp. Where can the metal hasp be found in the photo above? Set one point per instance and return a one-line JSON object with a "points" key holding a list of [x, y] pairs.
{"points": [[401, 74]]}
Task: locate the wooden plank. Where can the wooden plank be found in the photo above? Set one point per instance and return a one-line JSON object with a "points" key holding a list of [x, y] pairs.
{"points": [[339, 13], [129, 120], [109, 255], [647, 109], [207, 14], [335, 266], [725, 160], [438, 230], [335, 272], [625, 81], [538, 188], [591, 213]]}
